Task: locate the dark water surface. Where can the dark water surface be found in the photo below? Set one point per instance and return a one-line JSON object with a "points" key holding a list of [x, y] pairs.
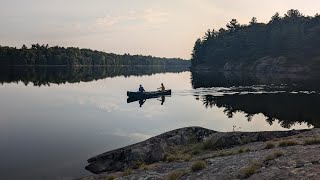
{"points": [[53, 120]]}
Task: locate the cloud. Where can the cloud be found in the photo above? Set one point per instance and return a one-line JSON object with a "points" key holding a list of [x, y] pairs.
{"points": [[155, 16], [133, 135], [146, 18], [107, 21]]}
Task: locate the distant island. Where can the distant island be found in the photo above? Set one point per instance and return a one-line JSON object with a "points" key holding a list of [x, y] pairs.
{"points": [[289, 44], [43, 55]]}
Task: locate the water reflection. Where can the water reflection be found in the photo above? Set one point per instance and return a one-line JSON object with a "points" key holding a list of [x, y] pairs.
{"points": [[287, 99], [46, 75], [143, 100], [50, 132], [270, 82]]}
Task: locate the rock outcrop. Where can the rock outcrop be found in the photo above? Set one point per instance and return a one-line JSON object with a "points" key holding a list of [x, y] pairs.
{"points": [[268, 65], [244, 155], [265, 65], [149, 151], [154, 149]]}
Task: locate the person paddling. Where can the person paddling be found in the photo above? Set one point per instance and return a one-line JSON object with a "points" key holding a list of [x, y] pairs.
{"points": [[141, 89], [162, 88]]}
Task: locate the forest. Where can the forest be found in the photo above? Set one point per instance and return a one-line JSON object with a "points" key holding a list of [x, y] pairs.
{"points": [[38, 55], [293, 36]]}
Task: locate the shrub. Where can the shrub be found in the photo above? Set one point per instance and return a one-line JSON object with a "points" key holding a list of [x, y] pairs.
{"points": [[269, 158], [287, 143], [199, 165], [110, 178], [127, 172], [273, 156], [270, 145], [244, 150], [171, 158], [277, 153], [175, 175], [251, 169], [312, 141], [208, 144], [195, 152], [186, 157], [226, 153]]}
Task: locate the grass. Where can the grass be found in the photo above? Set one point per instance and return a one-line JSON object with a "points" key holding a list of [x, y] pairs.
{"points": [[177, 157], [199, 165], [175, 175], [171, 157], [312, 141], [226, 153], [270, 145], [110, 178], [247, 150], [255, 166], [195, 152], [269, 158], [278, 153], [208, 144], [251, 169], [285, 143], [127, 172], [138, 164], [242, 150], [143, 166], [273, 156]]}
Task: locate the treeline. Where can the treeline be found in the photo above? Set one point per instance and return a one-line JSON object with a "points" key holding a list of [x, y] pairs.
{"points": [[57, 56], [46, 75], [294, 36]]}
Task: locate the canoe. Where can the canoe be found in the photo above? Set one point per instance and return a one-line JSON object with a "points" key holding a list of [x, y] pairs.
{"points": [[150, 94]]}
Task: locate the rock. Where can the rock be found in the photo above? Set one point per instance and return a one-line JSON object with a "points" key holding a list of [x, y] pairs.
{"points": [[154, 149], [299, 165], [149, 151], [296, 162], [264, 65]]}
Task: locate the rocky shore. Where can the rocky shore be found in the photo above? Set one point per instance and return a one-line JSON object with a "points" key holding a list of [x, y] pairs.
{"points": [[199, 153], [265, 65]]}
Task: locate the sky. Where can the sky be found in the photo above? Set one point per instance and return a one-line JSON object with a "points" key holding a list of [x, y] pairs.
{"points": [[163, 28]]}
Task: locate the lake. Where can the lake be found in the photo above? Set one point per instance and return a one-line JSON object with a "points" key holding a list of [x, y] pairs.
{"points": [[53, 119]]}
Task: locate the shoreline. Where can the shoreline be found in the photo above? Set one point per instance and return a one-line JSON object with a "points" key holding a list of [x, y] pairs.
{"points": [[199, 153]]}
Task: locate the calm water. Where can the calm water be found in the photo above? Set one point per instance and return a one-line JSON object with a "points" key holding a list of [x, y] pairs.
{"points": [[49, 132]]}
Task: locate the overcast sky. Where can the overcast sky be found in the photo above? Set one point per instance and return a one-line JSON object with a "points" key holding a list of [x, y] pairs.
{"points": [[166, 28]]}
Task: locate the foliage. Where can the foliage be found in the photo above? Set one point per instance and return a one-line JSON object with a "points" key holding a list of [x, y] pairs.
{"points": [[285, 143], [273, 156], [312, 141], [269, 145], [293, 36], [109, 178], [208, 144], [175, 175], [71, 56], [199, 165], [127, 172], [251, 169]]}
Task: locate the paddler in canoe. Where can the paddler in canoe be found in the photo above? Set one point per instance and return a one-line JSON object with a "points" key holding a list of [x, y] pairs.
{"points": [[162, 88], [141, 89]]}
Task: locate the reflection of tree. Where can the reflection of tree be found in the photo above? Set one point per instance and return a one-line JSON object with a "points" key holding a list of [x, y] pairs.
{"points": [[236, 79], [288, 108], [44, 76]]}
